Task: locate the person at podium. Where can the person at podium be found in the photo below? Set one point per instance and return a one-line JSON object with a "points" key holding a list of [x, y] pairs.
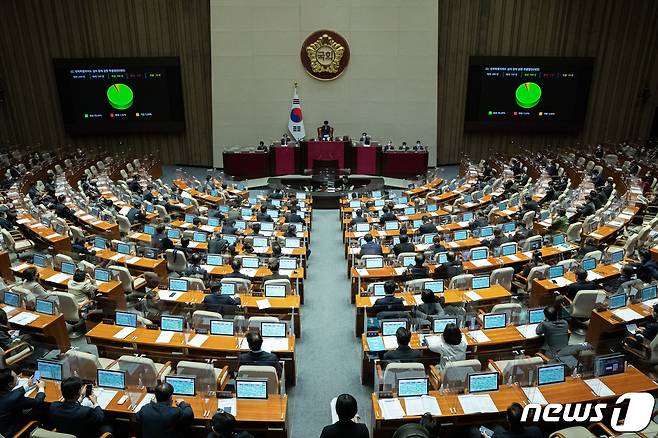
{"points": [[325, 132], [365, 138], [284, 140], [418, 146], [403, 146]]}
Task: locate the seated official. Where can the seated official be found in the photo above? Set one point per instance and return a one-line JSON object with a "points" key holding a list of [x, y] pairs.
{"points": [[31, 283], [498, 238], [451, 344], [263, 216], [273, 265], [358, 218], [514, 427], [418, 270], [387, 215], [522, 232], [528, 206], [365, 138], [645, 333], [580, 284], [257, 356], [293, 217], [82, 286], [620, 284], [403, 351], [223, 424], [216, 302], [536, 260], [229, 227], [427, 227], [646, 268], [194, 268], [370, 247], [160, 234], [431, 306], [404, 245], [389, 302], [14, 403], [560, 221], [217, 244], [78, 415], [325, 131], [436, 246], [161, 419], [346, 410], [236, 264], [450, 268], [555, 331]]}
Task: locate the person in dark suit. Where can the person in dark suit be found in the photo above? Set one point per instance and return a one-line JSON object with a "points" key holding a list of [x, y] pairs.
{"points": [[236, 265], [608, 188], [514, 427], [161, 418], [293, 217], [358, 219], [551, 169], [365, 138], [62, 210], [13, 402], [428, 226], [216, 302], [587, 208], [498, 239], [529, 205], [194, 268], [223, 425], [418, 270], [387, 215], [450, 268], [597, 179], [403, 351], [72, 417], [5, 223], [263, 216], [580, 284], [404, 245], [134, 185], [346, 410], [160, 234], [217, 245], [646, 268], [555, 331], [389, 302], [134, 215], [273, 265], [370, 247], [256, 356], [229, 227], [325, 130], [436, 246]]}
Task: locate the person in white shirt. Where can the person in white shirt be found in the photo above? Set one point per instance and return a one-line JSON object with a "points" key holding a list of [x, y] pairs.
{"points": [[82, 287], [451, 345], [31, 284]]}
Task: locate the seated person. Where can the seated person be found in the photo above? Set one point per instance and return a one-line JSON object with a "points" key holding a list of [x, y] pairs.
{"points": [[645, 333], [358, 219], [450, 268], [560, 221], [616, 284], [325, 131], [389, 302], [78, 415], [431, 306], [529, 205], [646, 268], [273, 265], [13, 402], [222, 426], [256, 356], [419, 270], [451, 345], [515, 428], [194, 268], [31, 283], [427, 227], [82, 286], [498, 238], [161, 419], [404, 245], [387, 215], [536, 260], [346, 410], [403, 351], [236, 264], [580, 284], [522, 233], [436, 246], [217, 244], [294, 217], [555, 331], [216, 302], [229, 227], [370, 247], [160, 234]]}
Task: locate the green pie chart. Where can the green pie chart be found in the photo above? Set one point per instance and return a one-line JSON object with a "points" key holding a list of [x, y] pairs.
{"points": [[120, 96], [528, 94]]}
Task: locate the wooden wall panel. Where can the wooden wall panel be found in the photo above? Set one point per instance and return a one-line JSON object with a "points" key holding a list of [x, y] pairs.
{"points": [[621, 35], [36, 31]]}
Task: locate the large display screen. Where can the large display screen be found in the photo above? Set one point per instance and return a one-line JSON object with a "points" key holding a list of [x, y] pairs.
{"points": [[120, 95], [527, 93]]}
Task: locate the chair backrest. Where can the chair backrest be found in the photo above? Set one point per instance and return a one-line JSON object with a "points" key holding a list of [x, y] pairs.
{"points": [[194, 283], [395, 371], [653, 347], [585, 301], [630, 246], [531, 241], [87, 266], [242, 284], [643, 234], [162, 211], [535, 272], [85, 363], [503, 277], [138, 367], [512, 310], [67, 306], [528, 218], [526, 362], [124, 224], [261, 372], [402, 255], [201, 318], [573, 232], [77, 234], [461, 281], [413, 284], [452, 367], [279, 281], [205, 373], [371, 256], [568, 263], [254, 321], [176, 260], [573, 432], [124, 276], [59, 258], [8, 239], [596, 254], [45, 433]]}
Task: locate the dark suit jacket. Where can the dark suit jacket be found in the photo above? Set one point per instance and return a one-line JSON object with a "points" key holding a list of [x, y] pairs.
{"points": [[372, 248], [387, 217], [526, 432], [217, 246], [220, 303], [418, 272], [574, 288], [132, 215], [294, 218], [229, 229], [428, 228], [325, 130], [402, 352], [75, 419], [261, 358], [264, 217], [388, 302], [275, 276], [342, 429], [11, 405], [448, 270], [162, 419], [358, 220], [404, 247], [236, 275]]}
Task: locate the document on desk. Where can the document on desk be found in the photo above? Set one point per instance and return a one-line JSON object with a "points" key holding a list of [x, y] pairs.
{"points": [[391, 408], [595, 235], [104, 396], [400, 270], [616, 224], [124, 210], [168, 295], [478, 336], [207, 228], [420, 405], [263, 304], [452, 244], [647, 303], [22, 221], [514, 258], [124, 332], [561, 281], [287, 251], [21, 266], [8, 309], [373, 299], [481, 263], [197, 341], [164, 337], [591, 276], [24, 318], [418, 299], [473, 296], [24, 382], [54, 235], [275, 344], [196, 244], [146, 400], [249, 272], [229, 405], [627, 314], [375, 343], [390, 342], [286, 272], [133, 260], [599, 388], [528, 330], [117, 257], [59, 277], [363, 272], [534, 395], [476, 403]]}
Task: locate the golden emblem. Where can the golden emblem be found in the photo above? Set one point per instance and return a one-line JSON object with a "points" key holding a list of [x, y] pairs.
{"points": [[325, 54]]}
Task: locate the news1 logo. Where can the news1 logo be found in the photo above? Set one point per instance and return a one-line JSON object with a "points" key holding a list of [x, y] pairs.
{"points": [[638, 414]]}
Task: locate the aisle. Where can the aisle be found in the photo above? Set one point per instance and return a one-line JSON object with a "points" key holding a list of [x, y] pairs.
{"points": [[328, 354]]}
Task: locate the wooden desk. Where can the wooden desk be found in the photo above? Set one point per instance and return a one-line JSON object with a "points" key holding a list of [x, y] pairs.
{"points": [[606, 329], [543, 291], [5, 267], [60, 243], [51, 327], [517, 259], [135, 264], [97, 226], [143, 341], [609, 231], [268, 417]]}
